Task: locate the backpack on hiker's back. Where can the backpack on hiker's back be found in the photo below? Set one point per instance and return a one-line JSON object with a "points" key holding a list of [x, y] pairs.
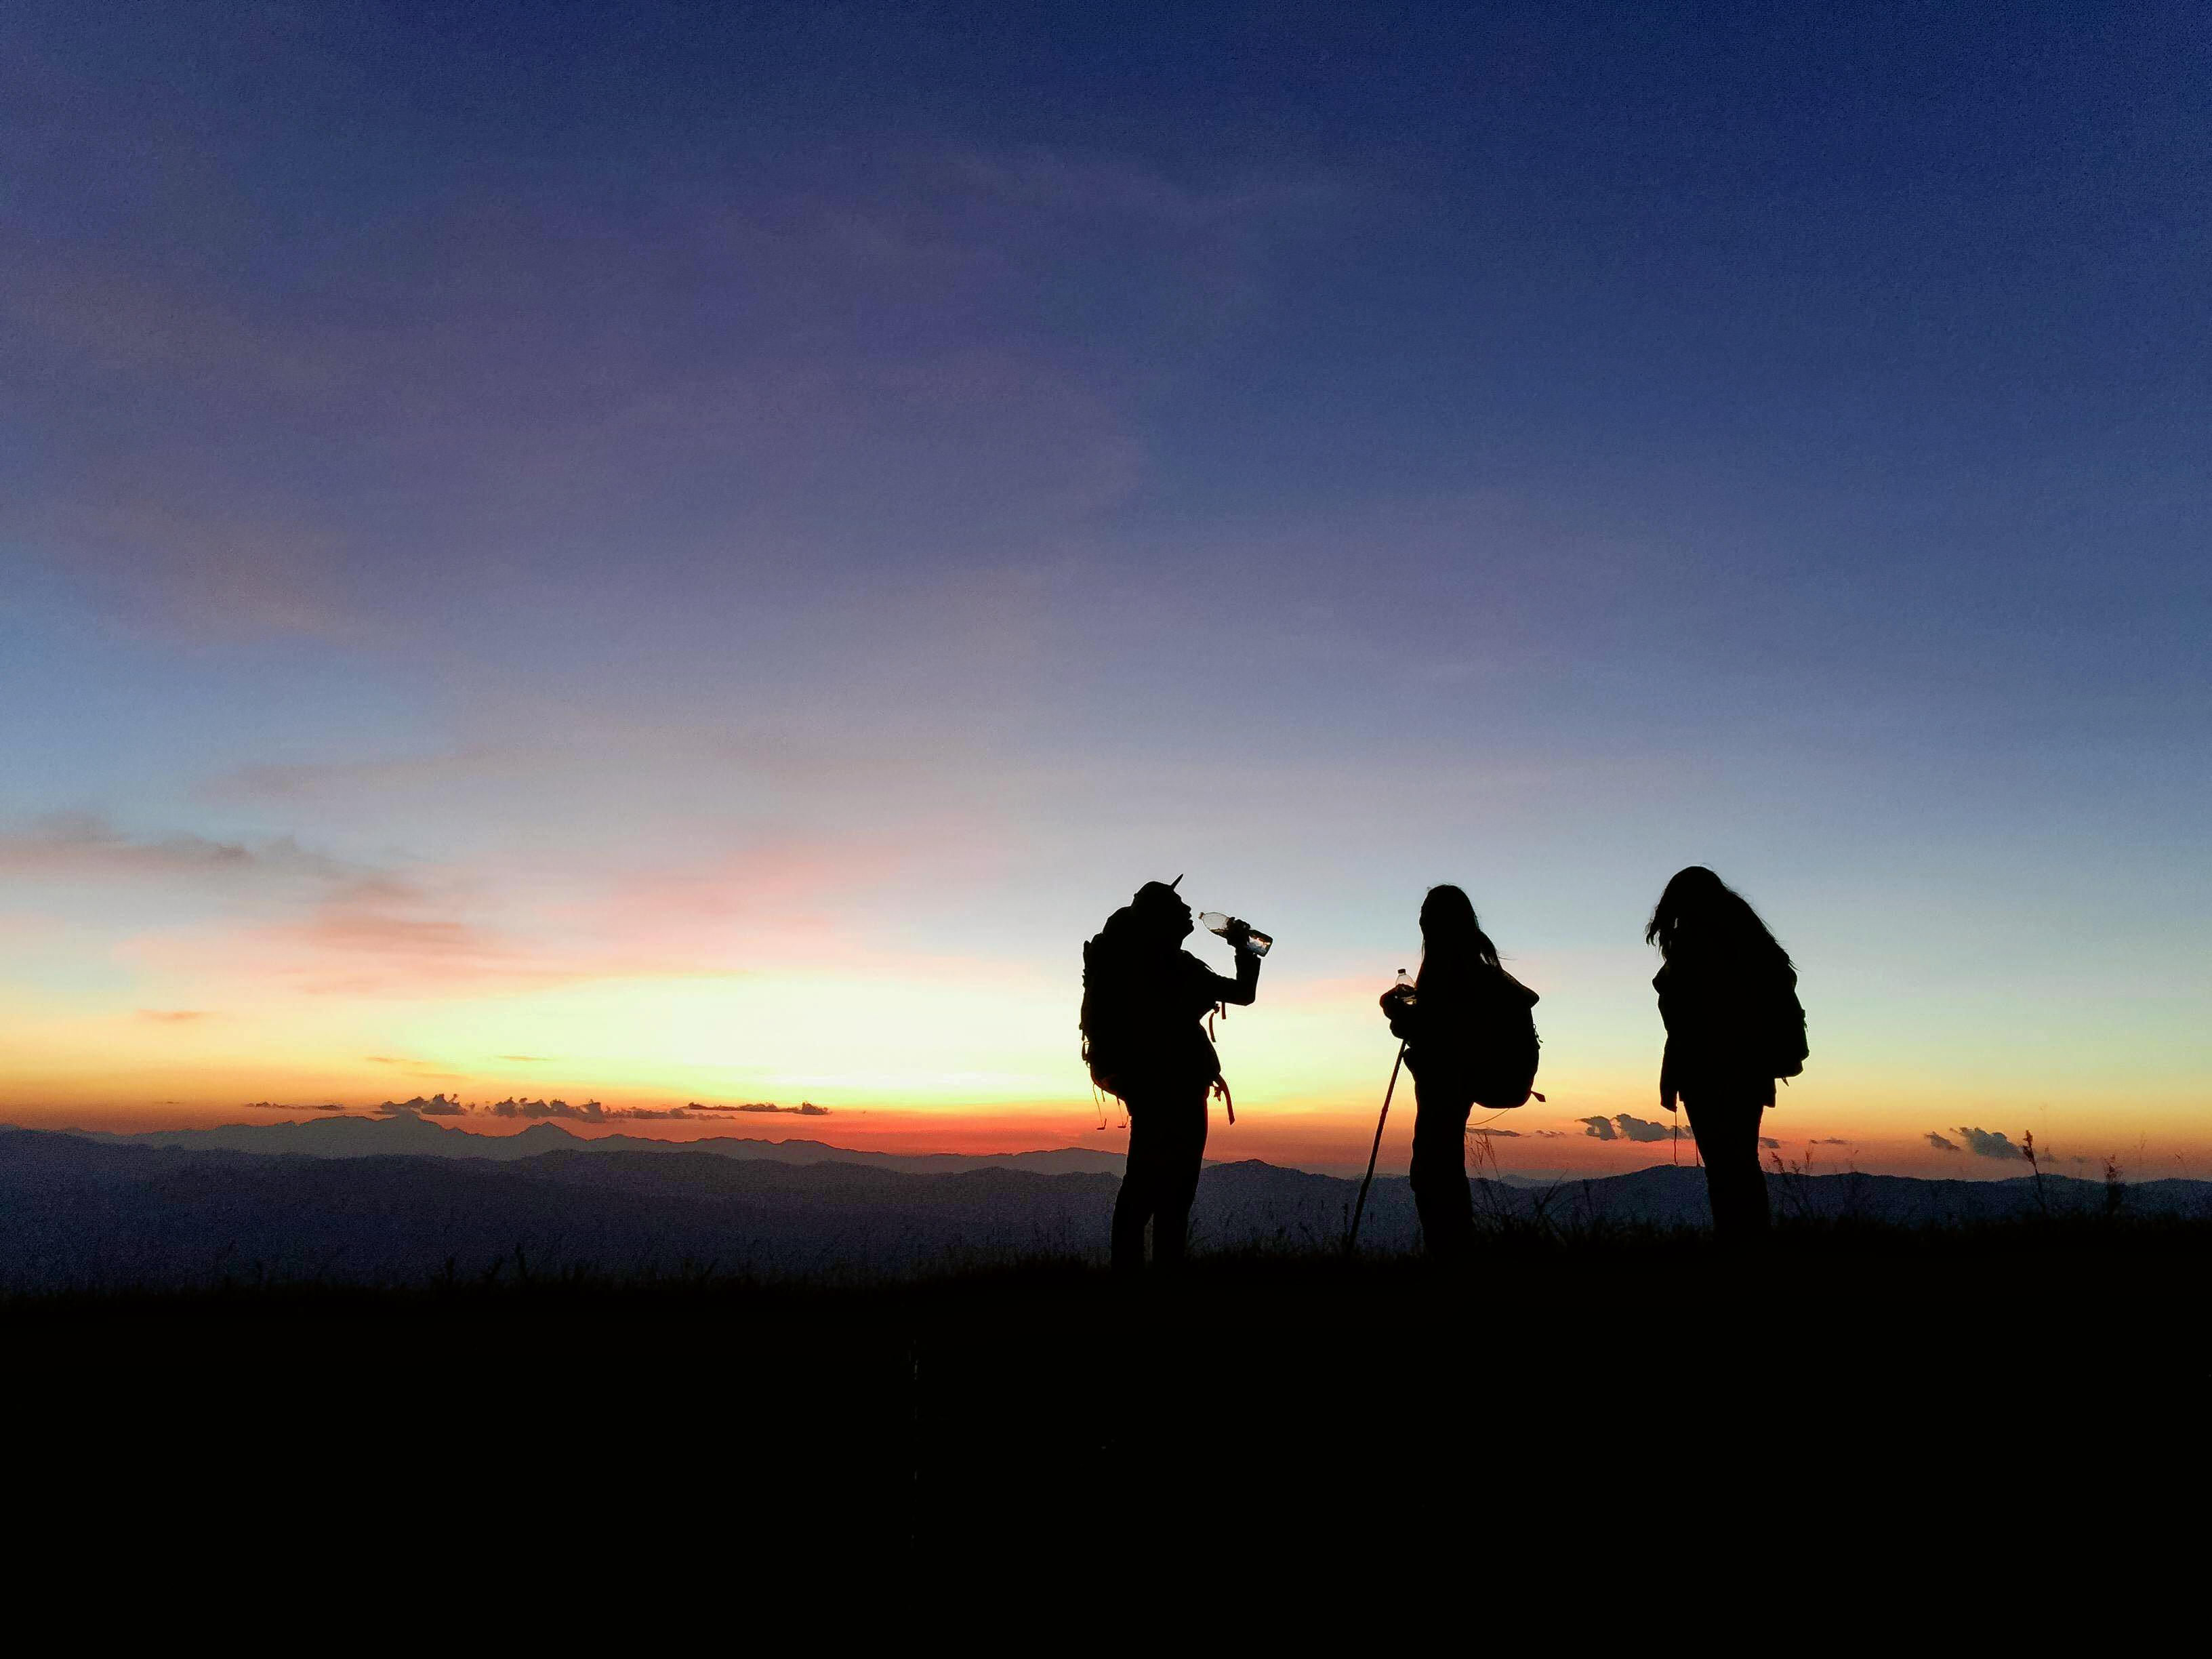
{"points": [[1140, 1013], [1106, 1020], [1508, 1047]]}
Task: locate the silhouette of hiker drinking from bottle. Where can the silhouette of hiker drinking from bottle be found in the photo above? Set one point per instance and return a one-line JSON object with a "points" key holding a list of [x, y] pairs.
{"points": [[1144, 997], [1728, 992], [1469, 1040]]}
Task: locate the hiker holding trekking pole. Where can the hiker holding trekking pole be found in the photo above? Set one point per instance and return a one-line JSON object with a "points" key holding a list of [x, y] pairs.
{"points": [[1469, 1040], [1144, 1000]]}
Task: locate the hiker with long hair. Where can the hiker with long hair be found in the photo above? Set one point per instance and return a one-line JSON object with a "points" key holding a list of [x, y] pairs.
{"points": [[1470, 1039], [1145, 999], [1727, 993]]}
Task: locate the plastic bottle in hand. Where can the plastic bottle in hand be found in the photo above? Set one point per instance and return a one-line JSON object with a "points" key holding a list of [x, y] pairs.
{"points": [[1215, 921], [1403, 990]]}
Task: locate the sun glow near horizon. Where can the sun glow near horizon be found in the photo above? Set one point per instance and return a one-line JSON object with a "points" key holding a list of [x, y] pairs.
{"points": [[973, 1056]]}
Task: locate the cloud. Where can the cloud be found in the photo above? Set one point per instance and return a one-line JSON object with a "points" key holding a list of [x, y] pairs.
{"points": [[452, 931], [1832, 1140], [174, 1016], [394, 937], [277, 1106], [1509, 1134], [1941, 1143], [590, 1111], [414, 1068], [379, 936], [85, 845], [436, 1106], [1623, 1127], [352, 928], [1104, 189], [1986, 1143], [525, 1060], [1770, 1143], [894, 367]]}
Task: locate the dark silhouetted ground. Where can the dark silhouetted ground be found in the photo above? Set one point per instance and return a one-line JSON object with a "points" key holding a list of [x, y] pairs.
{"points": [[1629, 1381]]}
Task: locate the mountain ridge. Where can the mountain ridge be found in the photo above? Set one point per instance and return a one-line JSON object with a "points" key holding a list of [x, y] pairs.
{"points": [[409, 1133], [85, 1211]]}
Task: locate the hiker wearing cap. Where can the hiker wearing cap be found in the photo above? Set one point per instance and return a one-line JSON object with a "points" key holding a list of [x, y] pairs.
{"points": [[1144, 1000], [1469, 1040]]}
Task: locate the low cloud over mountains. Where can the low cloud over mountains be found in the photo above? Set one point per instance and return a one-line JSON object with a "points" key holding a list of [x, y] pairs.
{"points": [[1624, 1126], [588, 1111]]}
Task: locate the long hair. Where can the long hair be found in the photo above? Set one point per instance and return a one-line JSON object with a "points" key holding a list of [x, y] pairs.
{"points": [[1452, 941], [1701, 915]]}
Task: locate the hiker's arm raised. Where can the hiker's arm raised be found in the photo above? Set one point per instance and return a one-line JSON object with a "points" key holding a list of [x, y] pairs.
{"points": [[1248, 980], [1237, 992]]}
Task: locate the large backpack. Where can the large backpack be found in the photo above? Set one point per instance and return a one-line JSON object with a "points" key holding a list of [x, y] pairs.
{"points": [[1105, 1019], [1509, 1055], [1135, 1031]]}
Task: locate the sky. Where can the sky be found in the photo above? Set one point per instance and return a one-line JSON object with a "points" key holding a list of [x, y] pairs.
{"points": [[675, 554]]}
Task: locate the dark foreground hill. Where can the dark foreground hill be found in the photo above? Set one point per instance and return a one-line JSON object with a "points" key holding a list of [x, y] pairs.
{"points": [[80, 1211], [1612, 1407], [751, 1366]]}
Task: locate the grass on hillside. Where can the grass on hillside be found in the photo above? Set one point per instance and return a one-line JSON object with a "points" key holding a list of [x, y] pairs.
{"points": [[992, 1396]]}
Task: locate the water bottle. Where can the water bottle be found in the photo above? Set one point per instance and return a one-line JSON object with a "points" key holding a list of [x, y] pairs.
{"points": [[1403, 990], [1214, 921]]}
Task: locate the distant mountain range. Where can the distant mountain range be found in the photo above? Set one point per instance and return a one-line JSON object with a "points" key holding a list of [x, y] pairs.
{"points": [[407, 1134], [107, 1209]]}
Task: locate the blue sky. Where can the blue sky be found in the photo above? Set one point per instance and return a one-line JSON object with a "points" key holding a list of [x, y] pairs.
{"points": [[683, 497]]}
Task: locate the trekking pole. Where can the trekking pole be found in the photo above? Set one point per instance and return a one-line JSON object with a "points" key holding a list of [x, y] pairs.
{"points": [[1352, 1238]]}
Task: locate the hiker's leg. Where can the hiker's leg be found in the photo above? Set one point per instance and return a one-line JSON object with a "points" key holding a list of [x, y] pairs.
{"points": [[1439, 1172], [1133, 1204], [1183, 1152], [1726, 1128]]}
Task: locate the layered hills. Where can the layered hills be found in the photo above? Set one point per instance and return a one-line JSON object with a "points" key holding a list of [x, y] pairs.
{"points": [[355, 1202]]}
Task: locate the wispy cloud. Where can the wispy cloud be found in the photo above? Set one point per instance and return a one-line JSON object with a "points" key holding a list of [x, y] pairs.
{"points": [[1941, 1143], [924, 409], [1106, 189], [174, 1015], [414, 1068], [83, 844]]}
